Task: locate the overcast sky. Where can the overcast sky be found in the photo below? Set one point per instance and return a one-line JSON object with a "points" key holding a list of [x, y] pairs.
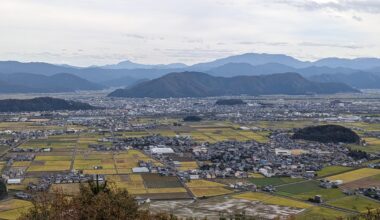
{"points": [[96, 32]]}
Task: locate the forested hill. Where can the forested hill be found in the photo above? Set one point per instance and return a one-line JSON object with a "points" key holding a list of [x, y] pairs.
{"points": [[197, 84], [327, 134], [41, 104]]}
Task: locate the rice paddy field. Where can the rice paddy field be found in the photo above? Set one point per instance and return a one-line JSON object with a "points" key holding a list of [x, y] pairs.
{"points": [[13, 208], [150, 185], [205, 188], [355, 175], [308, 189], [274, 181], [331, 170]]}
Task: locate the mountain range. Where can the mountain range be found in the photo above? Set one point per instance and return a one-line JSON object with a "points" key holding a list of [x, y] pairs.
{"points": [[36, 83], [127, 73], [197, 84]]}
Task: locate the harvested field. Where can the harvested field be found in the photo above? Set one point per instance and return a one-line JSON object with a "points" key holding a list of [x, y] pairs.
{"points": [[157, 181], [204, 188], [355, 175], [372, 181]]}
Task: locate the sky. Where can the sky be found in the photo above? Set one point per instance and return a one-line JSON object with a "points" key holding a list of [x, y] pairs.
{"points": [[98, 32]]}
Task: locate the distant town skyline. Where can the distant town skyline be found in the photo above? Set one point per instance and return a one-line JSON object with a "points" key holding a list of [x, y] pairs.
{"points": [[95, 32]]}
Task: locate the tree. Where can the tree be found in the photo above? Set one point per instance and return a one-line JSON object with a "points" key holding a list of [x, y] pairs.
{"points": [[96, 201], [3, 189]]}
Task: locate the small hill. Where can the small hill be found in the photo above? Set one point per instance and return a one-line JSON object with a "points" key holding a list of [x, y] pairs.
{"points": [[327, 134], [230, 102], [197, 84], [41, 104]]}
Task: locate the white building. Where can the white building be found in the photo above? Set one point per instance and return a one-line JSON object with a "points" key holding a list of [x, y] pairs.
{"points": [[162, 150], [14, 181], [283, 152], [140, 170]]}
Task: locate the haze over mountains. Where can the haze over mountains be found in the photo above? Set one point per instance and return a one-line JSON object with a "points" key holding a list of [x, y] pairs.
{"points": [[125, 74]]}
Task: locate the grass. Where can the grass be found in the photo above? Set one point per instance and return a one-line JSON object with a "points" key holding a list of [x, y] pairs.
{"points": [[331, 170], [355, 175], [320, 213], [273, 200], [309, 189], [298, 188], [274, 181], [355, 203]]}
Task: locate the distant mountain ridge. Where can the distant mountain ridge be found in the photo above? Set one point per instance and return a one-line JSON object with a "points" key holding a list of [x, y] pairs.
{"points": [[127, 73], [197, 84], [131, 65], [41, 104], [31, 83], [360, 80]]}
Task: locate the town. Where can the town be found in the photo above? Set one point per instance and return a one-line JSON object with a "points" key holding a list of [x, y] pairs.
{"points": [[198, 154]]}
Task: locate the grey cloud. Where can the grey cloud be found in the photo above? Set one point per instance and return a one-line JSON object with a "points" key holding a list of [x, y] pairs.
{"points": [[357, 18], [348, 46], [263, 43], [368, 6], [136, 36]]}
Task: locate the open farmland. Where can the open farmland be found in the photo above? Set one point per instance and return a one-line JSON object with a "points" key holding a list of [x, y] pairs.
{"points": [[321, 213], [355, 203], [273, 200], [205, 188], [355, 175], [13, 208], [368, 182], [274, 181], [307, 190], [150, 186], [331, 170]]}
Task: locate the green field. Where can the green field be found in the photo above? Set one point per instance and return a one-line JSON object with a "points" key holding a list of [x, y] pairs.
{"points": [[274, 181], [320, 213], [355, 203], [331, 170], [309, 189]]}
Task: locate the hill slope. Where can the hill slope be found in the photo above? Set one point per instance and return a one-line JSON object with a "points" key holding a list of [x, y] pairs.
{"points": [[196, 84], [41, 104]]}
